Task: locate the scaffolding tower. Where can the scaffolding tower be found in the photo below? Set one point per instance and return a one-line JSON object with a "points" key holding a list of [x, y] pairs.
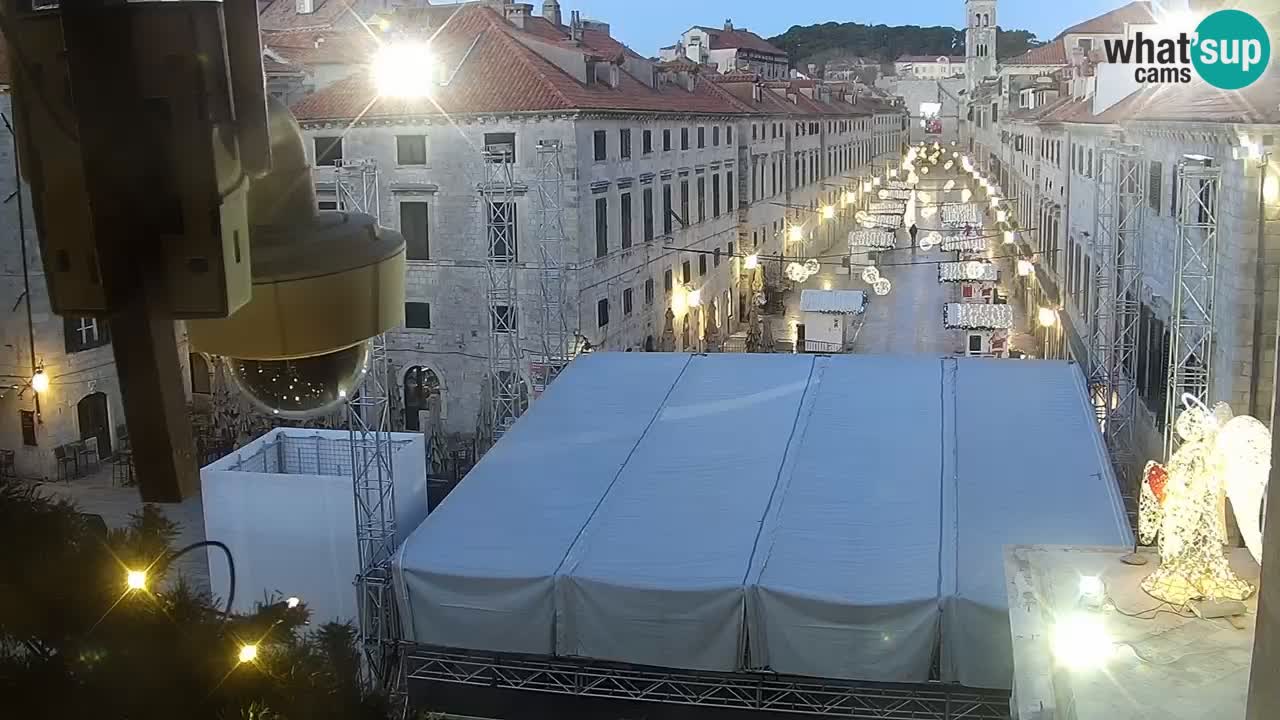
{"points": [[555, 350], [1121, 205], [368, 417], [497, 193], [356, 186], [1195, 263]]}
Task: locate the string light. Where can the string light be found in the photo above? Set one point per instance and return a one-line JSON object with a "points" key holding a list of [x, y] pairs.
{"points": [[875, 239], [977, 316], [957, 215], [136, 579], [930, 241], [751, 262], [882, 286], [795, 233], [248, 653], [960, 243], [1048, 317], [970, 271], [40, 381], [870, 274]]}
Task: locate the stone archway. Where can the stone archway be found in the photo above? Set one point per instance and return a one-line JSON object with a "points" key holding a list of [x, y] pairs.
{"points": [[422, 392]]}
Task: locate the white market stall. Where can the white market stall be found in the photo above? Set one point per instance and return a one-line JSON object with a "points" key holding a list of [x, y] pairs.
{"points": [[828, 317], [976, 278], [697, 510], [987, 326]]}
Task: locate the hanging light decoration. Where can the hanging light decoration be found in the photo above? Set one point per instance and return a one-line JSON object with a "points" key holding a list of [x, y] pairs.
{"points": [[883, 194], [795, 233], [1025, 268], [882, 286], [812, 266], [847, 198], [751, 262], [912, 179], [930, 241], [965, 195], [950, 164], [866, 186], [1001, 216], [951, 184], [924, 170], [828, 212], [893, 172], [870, 274], [1008, 237], [876, 181]]}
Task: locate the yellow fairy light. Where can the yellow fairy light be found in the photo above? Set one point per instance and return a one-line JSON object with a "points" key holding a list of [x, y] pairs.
{"points": [[40, 381], [1048, 317], [248, 653], [828, 212], [136, 579], [795, 233], [1025, 268], [751, 262]]}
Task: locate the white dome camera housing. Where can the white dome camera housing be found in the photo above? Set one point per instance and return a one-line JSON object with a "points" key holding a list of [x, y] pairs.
{"points": [[324, 283]]}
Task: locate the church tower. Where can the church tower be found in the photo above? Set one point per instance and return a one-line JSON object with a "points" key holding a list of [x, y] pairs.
{"points": [[979, 40]]}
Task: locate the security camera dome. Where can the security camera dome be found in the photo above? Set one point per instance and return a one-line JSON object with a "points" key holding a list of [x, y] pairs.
{"points": [[324, 283]]}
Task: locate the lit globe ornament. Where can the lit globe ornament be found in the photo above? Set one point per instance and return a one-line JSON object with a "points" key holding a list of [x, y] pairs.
{"points": [[870, 275], [924, 171], [951, 184], [882, 286], [950, 164], [812, 266], [930, 241], [883, 194]]}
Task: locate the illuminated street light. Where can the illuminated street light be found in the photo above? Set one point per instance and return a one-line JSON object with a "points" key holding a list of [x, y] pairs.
{"points": [[1048, 317], [795, 233], [828, 212], [1025, 268], [1008, 237], [866, 186], [751, 262], [136, 579], [403, 70], [40, 381], [248, 653], [876, 181], [951, 184], [1001, 216]]}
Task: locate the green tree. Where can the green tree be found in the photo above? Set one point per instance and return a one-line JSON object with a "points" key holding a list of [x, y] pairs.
{"points": [[819, 44], [75, 642]]}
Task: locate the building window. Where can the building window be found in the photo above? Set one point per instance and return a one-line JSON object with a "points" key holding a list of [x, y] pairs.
{"points": [[715, 195], [1086, 45], [417, 315], [647, 220], [684, 202], [602, 312], [601, 142], [684, 138], [1155, 174], [715, 257], [702, 265], [686, 272], [626, 220], [501, 145], [328, 150], [702, 137], [715, 136], [730, 252], [667, 284], [411, 150], [702, 198], [201, 378], [328, 204], [648, 291], [755, 131], [602, 227], [84, 333], [666, 140], [728, 134], [502, 231], [27, 419], [728, 181], [502, 319], [995, 112], [626, 301], [624, 143], [416, 231], [666, 209], [646, 142]]}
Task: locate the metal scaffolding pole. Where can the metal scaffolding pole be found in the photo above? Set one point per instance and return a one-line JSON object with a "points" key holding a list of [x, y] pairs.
{"points": [[497, 194], [368, 422], [1195, 263], [1130, 208], [555, 351], [357, 187], [1102, 359]]}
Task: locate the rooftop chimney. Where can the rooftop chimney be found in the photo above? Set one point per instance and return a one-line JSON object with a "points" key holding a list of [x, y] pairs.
{"points": [[575, 26], [551, 11], [728, 25], [517, 13]]}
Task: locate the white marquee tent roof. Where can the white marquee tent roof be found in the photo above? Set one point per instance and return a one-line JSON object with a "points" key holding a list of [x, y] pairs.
{"points": [[838, 516]]}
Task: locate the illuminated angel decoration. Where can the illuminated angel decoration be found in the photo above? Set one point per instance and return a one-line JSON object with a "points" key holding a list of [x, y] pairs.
{"points": [[1185, 503]]}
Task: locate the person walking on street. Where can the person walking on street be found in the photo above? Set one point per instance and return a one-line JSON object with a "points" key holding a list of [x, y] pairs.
{"points": [[913, 231]]}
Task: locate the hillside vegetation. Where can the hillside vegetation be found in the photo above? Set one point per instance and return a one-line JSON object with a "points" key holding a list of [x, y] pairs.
{"points": [[819, 44]]}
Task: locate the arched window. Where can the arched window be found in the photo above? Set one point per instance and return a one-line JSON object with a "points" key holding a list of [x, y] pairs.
{"points": [[200, 377], [986, 20], [421, 392], [977, 19]]}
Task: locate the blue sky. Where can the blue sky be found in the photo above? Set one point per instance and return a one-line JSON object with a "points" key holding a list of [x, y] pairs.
{"points": [[646, 25]]}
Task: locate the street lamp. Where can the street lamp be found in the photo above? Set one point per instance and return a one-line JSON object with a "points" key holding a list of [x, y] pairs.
{"points": [[1048, 317], [248, 653], [751, 262], [1025, 268], [828, 212], [40, 381]]}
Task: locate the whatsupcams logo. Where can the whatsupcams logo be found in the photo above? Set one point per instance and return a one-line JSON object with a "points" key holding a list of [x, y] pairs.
{"points": [[1229, 50]]}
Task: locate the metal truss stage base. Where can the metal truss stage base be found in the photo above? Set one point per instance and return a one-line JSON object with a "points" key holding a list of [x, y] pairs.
{"points": [[737, 691]]}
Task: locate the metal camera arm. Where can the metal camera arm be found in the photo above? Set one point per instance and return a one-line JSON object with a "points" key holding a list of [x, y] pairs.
{"points": [[139, 126]]}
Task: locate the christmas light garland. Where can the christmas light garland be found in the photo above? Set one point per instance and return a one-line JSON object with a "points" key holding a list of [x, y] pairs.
{"points": [[960, 243], [977, 316], [968, 271], [876, 239]]}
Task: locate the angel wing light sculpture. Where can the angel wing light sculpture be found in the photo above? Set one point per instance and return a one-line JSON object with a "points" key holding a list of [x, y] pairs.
{"points": [[1184, 503]]}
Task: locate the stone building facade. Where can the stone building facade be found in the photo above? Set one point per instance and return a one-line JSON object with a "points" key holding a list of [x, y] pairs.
{"points": [[1044, 143]]}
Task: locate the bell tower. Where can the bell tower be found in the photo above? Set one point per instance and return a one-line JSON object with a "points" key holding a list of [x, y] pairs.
{"points": [[979, 40]]}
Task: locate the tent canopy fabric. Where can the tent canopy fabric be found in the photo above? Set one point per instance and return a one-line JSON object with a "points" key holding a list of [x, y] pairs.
{"points": [[839, 517]]}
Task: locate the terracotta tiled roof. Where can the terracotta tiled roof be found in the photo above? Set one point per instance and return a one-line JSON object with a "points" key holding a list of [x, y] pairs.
{"points": [[1051, 53], [735, 77], [273, 67], [283, 14], [739, 39], [928, 58], [1114, 21], [502, 74], [1072, 111], [311, 47], [1200, 102]]}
